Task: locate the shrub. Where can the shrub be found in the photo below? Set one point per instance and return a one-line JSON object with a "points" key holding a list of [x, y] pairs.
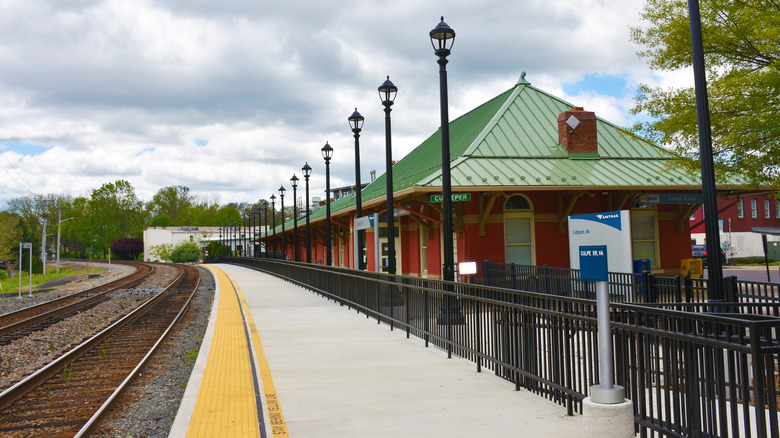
{"points": [[215, 248], [128, 248], [749, 260], [185, 252]]}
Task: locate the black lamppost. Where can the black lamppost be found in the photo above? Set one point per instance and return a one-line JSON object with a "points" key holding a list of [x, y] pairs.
{"points": [[273, 221], [265, 213], [256, 229], [294, 183], [245, 234], [356, 123], [709, 193], [259, 230], [387, 92], [306, 174], [327, 154], [250, 230], [220, 241], [282, 190], [442, 38], [232, 239]]}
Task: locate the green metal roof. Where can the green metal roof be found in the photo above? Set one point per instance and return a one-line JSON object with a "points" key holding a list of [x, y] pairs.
{"points": [[512, 140]]}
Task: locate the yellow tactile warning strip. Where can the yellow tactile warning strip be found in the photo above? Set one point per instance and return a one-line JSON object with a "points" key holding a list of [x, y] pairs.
{"points": [[226, 401], [276, 419]]}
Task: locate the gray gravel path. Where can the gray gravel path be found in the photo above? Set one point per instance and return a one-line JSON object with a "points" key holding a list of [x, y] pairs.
{"points": [[149, 406]]}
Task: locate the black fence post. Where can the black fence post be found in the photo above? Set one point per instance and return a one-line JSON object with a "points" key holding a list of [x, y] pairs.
{"points": [[650, 289], [730, 291], [688, 287]]}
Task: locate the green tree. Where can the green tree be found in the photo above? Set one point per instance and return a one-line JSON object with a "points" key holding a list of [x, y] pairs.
{"points": [[162, 220], [115, 212], [10, 237], [742, 48], [33, 211], [77, 233], [171, 200], [227, 215]]}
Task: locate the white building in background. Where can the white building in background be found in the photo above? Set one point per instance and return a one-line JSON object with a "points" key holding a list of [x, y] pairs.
{"points": [[154, 236], [237, 238]]}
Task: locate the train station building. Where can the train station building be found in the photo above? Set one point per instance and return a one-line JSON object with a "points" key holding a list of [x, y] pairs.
{"points": [[522, 163]]}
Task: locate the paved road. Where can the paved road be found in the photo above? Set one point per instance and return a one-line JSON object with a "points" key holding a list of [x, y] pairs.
{"points": [[751, 273]]}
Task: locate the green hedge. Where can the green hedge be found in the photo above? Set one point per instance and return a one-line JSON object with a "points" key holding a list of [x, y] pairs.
{"points": [[749, 261]]}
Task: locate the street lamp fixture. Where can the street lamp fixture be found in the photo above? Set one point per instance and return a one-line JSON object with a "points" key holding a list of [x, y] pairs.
{"points": [[306, 169], [356, 123], [273, 222], [327, 154], [294, 184], [442, 39], [282, 190], [387, 93]]}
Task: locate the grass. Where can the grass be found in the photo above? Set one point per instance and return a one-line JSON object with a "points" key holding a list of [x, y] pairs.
{"points": [[10, 285]]}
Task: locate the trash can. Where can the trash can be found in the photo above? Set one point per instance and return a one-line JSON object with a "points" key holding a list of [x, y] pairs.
{"points": [[640, 266]]}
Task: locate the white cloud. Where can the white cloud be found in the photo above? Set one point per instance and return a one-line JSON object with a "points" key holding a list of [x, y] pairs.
{"points": [[123, 90]]}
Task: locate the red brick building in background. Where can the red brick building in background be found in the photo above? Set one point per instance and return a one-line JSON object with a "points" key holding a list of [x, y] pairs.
{"points": [[738, 217]]}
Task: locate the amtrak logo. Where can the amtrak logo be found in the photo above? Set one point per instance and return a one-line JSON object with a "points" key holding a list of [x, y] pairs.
{"points": [[610, 218]]}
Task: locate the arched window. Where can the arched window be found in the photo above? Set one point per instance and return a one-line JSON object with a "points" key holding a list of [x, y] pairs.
{"points": [[519, 231]]}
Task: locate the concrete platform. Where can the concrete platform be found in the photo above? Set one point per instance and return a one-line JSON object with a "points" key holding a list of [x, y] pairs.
{"points": [[332, 372]]}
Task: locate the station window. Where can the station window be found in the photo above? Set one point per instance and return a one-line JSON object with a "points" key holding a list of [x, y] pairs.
{"points": [[777, 208], [767, 212], [519, 231], [740, 209], [753, 208], [644, 232]]}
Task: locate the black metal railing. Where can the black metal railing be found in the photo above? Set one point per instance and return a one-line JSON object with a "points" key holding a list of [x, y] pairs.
{"points": [[688, 374], [639, 288]]}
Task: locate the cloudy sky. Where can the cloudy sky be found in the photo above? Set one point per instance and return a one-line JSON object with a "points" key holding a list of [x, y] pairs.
{"points": [[232, 97]]}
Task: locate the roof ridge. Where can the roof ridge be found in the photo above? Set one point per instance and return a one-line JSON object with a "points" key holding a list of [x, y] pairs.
{"points": [[518, 88]]}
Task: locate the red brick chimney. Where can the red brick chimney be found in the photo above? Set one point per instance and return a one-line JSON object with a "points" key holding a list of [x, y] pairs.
{"points": [[577, 132]]}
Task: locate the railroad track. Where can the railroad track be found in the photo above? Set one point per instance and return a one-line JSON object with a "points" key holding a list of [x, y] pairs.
{"points": [[25, 321], [69, 396]]}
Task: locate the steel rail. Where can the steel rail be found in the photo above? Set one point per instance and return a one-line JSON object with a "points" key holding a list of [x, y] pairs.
{"points": [[85, 350], [89, 427], [16, 330], [42, 308], [24, 386]]}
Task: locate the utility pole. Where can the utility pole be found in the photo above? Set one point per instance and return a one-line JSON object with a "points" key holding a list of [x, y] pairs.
{"points": [[43, 241]]}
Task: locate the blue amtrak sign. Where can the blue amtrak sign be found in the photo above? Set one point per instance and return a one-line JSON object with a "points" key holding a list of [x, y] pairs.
{"points": [[593, 263]]}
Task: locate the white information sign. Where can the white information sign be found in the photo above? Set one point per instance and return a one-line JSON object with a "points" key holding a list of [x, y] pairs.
{"points": [[611, 229]]}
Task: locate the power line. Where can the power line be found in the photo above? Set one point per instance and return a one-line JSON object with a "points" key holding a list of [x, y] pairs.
{"points": [[24, 184]]}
